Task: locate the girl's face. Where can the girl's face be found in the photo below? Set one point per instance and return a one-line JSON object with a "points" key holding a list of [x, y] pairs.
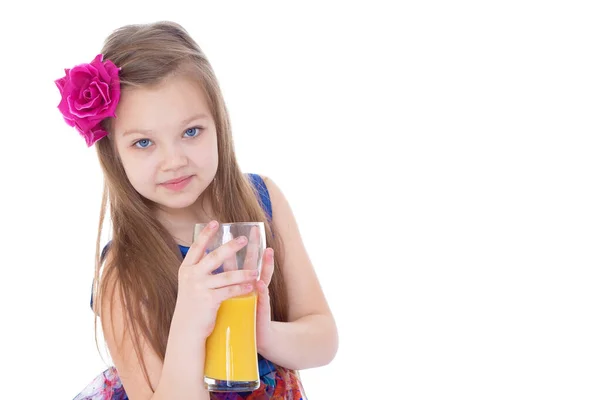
{"points": [[167, 141]]}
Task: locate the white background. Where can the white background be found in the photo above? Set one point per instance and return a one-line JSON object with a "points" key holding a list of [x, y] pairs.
{"points": [[441, 158]]}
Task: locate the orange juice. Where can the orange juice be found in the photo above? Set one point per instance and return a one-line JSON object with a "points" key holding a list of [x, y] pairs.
{"points": [[231, 347]]}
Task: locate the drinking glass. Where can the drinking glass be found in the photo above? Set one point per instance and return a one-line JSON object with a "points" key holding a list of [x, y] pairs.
{"points": [[231, 363]]}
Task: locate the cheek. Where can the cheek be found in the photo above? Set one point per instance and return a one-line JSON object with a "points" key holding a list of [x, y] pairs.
{"points": [[204, 155], [206, 158], [139, 170]]}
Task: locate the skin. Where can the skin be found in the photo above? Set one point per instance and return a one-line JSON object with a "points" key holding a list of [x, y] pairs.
{"points": [[165, 133], [157, 140]]}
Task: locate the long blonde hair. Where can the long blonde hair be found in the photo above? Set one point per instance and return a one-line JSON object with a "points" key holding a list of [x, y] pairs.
{"points": [[144, 257]]}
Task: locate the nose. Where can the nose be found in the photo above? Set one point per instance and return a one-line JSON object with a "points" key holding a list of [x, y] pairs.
{"points": [[174, 157]]}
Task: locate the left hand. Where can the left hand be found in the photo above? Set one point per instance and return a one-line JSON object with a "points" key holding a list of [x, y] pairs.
{"points": [[263, 307]]}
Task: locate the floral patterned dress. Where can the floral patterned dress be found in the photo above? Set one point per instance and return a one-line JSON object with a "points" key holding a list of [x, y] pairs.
{"points": [[275, 383]]}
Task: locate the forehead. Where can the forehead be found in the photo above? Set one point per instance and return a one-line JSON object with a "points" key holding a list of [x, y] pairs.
{"points": [[160, 107]]}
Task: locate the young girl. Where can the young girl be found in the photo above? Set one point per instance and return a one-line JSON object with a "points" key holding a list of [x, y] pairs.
{"points": [[151, 104]]}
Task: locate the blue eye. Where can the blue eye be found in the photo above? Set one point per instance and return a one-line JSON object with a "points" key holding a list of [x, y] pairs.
{"points": [[143, 143], [192, 132]]}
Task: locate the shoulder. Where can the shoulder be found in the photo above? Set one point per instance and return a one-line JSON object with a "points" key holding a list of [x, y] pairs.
{"points": [[283, 219], [281, 208], [274, 190]]}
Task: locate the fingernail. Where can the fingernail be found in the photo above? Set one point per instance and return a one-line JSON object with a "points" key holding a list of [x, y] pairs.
{"points": [[241, 239], [213, 224]]}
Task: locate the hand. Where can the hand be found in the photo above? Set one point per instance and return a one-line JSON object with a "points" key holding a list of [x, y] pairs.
{"points": [[200, 291], [263, 308]]}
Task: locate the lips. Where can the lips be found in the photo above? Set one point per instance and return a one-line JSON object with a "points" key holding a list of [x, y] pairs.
{"points": [[176, 180]]}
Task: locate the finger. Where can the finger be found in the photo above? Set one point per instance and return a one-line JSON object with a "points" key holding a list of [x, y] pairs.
{"points": [[230, 263], [198, 248], [263, 291], [263, 301], [228, 292], [231, 278], [251, 259], [268, 265], [215, 258]]}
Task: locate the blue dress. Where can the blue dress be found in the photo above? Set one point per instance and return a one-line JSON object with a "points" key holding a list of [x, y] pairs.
{"points": [[275, 384]]}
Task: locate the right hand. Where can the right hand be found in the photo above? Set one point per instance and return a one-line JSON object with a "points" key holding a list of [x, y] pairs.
{"points": [[204, 292]]}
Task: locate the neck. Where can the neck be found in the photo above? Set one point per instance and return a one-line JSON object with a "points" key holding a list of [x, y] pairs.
{"points": [[180, 222]]}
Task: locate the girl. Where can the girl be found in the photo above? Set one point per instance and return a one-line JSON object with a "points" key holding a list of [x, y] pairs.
{"points": [[151, 104]]}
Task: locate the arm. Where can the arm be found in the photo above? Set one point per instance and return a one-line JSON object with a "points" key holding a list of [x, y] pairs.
{"points": [[181, 375], [310, 338], [308, 342]]}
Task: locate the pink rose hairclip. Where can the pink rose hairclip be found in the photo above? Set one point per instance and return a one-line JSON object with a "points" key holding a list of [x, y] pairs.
{"points": [[90, 93]]}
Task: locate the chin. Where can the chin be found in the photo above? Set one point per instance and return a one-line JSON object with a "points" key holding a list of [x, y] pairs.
{"points": [[177, 202]]}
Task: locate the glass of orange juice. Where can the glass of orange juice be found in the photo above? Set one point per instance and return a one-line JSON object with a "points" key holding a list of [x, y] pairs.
{"points": [[231, 363]]}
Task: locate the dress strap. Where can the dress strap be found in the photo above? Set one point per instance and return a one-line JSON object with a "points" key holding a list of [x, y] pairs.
{"points": [[263, 192]]}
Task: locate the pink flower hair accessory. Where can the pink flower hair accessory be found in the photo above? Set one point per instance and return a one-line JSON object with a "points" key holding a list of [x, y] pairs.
{"points": [[90, 93]]}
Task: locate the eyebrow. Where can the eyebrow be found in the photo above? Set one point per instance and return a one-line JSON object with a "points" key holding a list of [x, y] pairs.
{"points": [[183, 123]]}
